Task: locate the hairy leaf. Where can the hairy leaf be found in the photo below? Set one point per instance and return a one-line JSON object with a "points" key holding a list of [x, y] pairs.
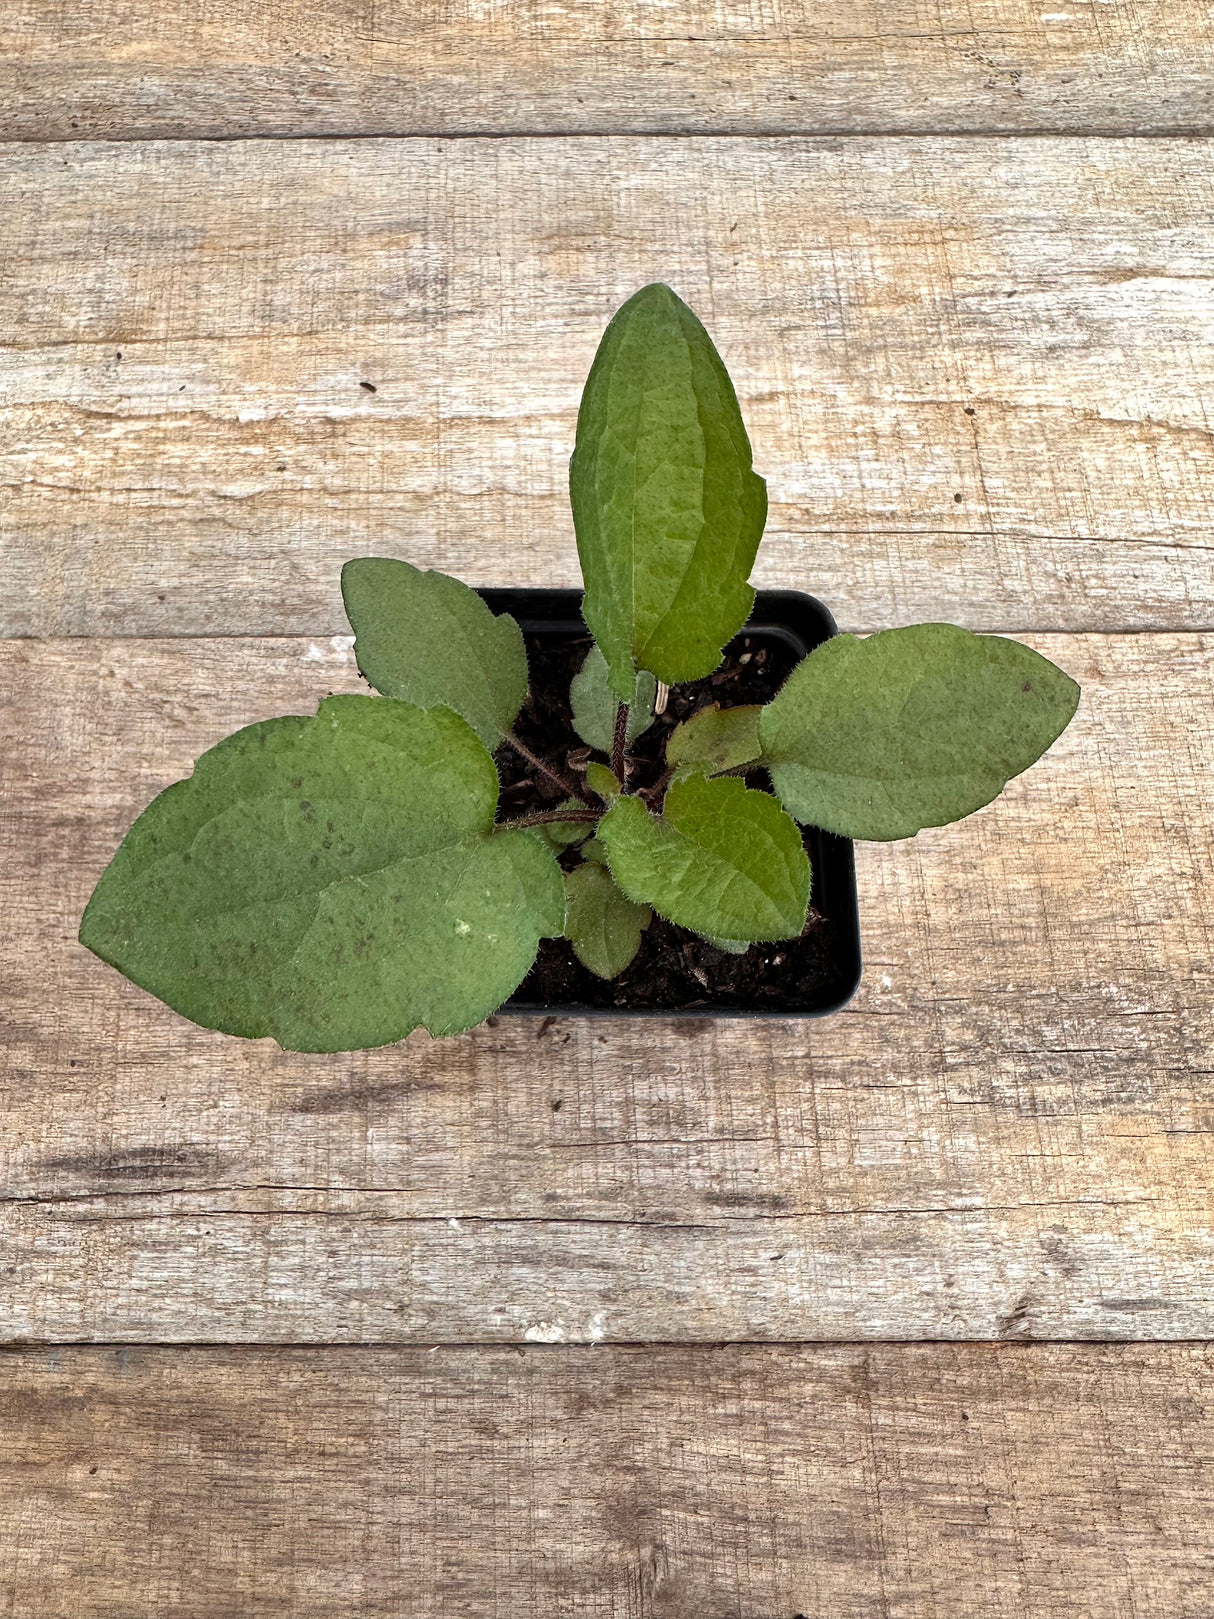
{"points": [[602, 781], [602, 924], [428, 639], [333, 882], [909, 728], [721, 860], [667, 510], [594, 703], [716, 739], [562, 834]]}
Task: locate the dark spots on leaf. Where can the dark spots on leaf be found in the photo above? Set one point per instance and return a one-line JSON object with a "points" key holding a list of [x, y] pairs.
{"points": [[296, 781], [369, 386], [1028, 686]]}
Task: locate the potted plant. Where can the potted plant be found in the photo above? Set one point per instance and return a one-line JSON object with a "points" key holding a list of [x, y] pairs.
{"points": [[645, 804]]}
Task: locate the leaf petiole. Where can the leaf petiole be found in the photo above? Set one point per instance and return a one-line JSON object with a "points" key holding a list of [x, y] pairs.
{"points": [[550, 818], [566, 785], [619, 745]]}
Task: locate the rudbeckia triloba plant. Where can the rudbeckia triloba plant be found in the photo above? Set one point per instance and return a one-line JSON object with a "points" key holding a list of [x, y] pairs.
{"points": [[340, 879]]}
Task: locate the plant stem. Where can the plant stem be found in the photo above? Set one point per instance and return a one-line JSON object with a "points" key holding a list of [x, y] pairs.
{"points": [[550, 817], [619, 758], [563, 782]]}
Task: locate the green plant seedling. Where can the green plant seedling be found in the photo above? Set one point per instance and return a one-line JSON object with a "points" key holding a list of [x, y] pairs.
{"points": [[338, 880]]}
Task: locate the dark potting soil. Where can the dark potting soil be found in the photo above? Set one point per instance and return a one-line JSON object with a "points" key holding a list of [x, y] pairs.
{"points": [[673, 969]]}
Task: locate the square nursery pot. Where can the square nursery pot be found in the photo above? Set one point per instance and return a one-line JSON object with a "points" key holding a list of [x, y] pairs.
{"points": [[675, 973]]}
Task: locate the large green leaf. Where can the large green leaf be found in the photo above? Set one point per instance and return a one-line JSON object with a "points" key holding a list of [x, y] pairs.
{"points": [[715, 739], [602, 924], [428, 639], [909, 728], [721, 859], [595, 705], [667, 510], [333, 881]]}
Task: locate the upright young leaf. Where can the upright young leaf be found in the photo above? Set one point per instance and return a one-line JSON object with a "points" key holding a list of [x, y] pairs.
{"points": [[333, 882], [602, 924], [595, 705], [716, 739], [428, 639], [721, 860], [667, 510], [909, 728]]}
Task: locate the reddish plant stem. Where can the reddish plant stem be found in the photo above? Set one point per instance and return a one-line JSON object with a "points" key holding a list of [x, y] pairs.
{"points": [[563, 782], [550, 817], [619, 757]]}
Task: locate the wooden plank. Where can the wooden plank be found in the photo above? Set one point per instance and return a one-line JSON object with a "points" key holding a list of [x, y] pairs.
{"points": [[1007, 1133], [975, 371], [930, 1482], [128, 68]]}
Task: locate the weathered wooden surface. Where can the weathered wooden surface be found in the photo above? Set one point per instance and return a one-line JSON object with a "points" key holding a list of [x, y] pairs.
{"points": [[922, 1482], [976, 372], [123, 68], [1007, 1134]]}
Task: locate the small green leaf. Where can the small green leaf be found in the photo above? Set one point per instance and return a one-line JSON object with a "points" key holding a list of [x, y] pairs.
{"points": [[562, 834], [716, 739], [428, 639], [333, 882], [594, 703], [603, 925], [721, 859], [594, 849], [667, 510], [909, 728], [602, 781]]}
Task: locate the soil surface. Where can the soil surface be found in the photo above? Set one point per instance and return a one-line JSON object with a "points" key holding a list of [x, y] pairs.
{"points": [[674, 969]]}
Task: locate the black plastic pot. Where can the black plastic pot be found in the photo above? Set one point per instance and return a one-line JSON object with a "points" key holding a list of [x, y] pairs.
{"points": [[798, 623]]}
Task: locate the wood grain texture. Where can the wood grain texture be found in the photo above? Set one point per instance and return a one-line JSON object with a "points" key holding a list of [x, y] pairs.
{"points": [[976, 372], [129, 68], [858, 1482], [1008, 1133]]}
